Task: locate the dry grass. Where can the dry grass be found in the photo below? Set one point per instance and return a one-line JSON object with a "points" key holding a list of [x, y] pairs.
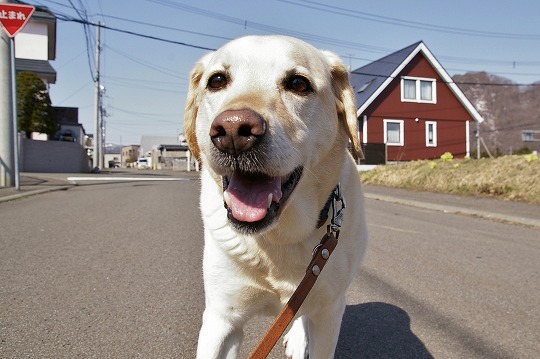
{"points": [[509, 177]]}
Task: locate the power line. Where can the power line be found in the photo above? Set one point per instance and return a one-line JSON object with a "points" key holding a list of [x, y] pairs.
{"points": [[451, 82], [322, 39], [212, 49], [382, 60], [407, 23], [147, 64], [89, 54], [243, 23], [268, 28], [140, 34], [139, 86], [146, 114], [166, 27]]}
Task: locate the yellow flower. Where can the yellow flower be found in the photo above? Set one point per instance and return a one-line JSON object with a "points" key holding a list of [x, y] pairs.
{"points": [[447, 157]]}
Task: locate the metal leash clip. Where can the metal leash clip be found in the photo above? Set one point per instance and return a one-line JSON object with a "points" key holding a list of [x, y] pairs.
{"points": [[337, 214]]}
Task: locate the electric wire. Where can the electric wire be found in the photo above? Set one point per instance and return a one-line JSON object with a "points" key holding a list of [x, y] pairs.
{"points": [[241, 22], [406, 23], [88, 37]]}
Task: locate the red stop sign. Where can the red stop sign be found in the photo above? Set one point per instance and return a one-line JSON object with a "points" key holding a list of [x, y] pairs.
{"points": [[13, 17]]}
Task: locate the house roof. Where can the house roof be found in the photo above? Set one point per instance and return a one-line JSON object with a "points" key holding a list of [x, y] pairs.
{"points": [[173, 148], [148, 143], [372, 79], [41, 68]]}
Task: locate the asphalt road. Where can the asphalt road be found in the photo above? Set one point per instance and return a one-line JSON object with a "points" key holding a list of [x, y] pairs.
{"points": [[113, 270]]}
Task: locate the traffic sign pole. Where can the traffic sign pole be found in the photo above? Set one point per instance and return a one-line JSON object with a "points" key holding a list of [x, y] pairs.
{"points": [[14, 113], [7, 161], [13, 17]]}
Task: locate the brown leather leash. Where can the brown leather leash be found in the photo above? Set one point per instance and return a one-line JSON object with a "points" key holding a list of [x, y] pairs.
{"points": [[321, 254]]}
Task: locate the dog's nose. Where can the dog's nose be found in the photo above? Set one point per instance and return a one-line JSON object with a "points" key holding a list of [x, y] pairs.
{"points": [[237, 131]]}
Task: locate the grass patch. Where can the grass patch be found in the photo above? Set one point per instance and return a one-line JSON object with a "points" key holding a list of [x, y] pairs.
{"points": [[508, 177]]}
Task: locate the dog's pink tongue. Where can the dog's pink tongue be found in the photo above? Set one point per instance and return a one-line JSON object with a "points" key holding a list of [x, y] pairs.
{"points": [[248, 196]]}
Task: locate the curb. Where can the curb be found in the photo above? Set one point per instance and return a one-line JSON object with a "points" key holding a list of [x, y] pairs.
{"points": [[530, 222], [33, 193]]}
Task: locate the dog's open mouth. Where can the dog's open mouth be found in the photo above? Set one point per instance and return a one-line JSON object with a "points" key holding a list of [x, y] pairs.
{"points": [[253, 200]]}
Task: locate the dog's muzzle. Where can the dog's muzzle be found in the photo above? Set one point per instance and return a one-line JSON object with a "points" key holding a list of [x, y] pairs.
{"points": [[253, 198]]}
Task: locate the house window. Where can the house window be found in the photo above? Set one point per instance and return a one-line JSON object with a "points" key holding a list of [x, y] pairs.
{"points": [[393, 132], [409, 89], [530, 136], [431, 134], [418, 90]]}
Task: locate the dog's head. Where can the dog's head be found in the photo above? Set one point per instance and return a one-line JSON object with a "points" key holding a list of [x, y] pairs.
{"points": [[260, 112]]}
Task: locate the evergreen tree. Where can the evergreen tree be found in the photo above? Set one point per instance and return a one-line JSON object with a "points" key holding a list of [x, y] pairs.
{"points": [[34, 110]]}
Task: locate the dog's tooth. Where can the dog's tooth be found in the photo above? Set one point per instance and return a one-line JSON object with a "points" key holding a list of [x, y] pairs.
{"points": [[269, 200], [227, 198]]}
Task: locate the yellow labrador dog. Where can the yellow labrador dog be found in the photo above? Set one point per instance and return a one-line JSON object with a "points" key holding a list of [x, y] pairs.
{"points": [[270, 118]]}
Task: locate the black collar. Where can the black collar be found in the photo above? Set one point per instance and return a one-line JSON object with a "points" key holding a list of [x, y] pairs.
{"points": [[323, 215]]}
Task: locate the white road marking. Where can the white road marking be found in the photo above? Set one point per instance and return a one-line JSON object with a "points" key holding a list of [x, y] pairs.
{"points": [[78, 179]]}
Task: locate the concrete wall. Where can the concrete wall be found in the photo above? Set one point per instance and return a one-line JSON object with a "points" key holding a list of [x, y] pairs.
{"points": [[53, 157]]}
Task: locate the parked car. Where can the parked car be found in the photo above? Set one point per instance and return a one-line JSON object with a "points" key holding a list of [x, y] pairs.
{"points": [[67, 136], [114, 164], [142, 163]]}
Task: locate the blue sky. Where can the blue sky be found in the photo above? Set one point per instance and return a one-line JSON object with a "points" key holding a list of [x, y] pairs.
{"points": [[146, 79]]}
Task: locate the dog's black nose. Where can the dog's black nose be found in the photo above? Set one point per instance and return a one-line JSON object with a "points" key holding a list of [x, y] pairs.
{"points": [[237, 131]]}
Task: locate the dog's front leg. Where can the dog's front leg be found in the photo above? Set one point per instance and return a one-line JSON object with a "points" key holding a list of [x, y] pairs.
{"points": [[324, 329], [218, 338]]}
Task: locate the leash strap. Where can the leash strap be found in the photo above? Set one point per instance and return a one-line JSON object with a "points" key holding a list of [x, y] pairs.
{"points": [[321, 253]]}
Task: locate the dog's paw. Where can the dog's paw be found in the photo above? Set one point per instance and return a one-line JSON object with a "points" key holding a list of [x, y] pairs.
{"points": [[296, 340]]}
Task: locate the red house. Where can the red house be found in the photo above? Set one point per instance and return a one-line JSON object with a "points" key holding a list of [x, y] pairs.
{"points": [[408, 102]]}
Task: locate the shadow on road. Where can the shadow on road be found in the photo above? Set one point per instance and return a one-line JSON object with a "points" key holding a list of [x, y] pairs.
{"points": [[378, 331]]}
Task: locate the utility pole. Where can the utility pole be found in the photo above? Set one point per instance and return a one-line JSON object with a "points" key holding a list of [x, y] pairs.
{"points": [[103, 115], [350, 64], [7, 158], [97, 123]]}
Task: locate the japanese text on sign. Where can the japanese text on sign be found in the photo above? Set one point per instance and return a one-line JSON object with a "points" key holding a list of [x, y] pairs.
{"points": [[12, 15]]}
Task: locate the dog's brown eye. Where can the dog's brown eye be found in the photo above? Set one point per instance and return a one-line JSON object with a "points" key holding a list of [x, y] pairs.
{"points": [[299, 85], [217, 82]]}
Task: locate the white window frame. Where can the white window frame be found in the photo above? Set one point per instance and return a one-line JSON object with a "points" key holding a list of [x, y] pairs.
{"points": [[401, 124], [364, 129], [418, 81], [432, 143]]}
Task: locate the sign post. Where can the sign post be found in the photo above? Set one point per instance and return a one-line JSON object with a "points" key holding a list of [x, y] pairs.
{"points": [[13, 18]]}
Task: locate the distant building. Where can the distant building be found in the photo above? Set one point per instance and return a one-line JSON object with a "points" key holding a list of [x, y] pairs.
{"points": [[150, 143], [172, 157], [130, 154]]}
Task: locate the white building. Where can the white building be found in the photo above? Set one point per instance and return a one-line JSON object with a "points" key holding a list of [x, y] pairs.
{"points": [[35, 45]]}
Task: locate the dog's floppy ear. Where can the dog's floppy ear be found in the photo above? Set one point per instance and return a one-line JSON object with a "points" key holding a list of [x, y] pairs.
{"points": [[192, 107], [345, 99]]}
